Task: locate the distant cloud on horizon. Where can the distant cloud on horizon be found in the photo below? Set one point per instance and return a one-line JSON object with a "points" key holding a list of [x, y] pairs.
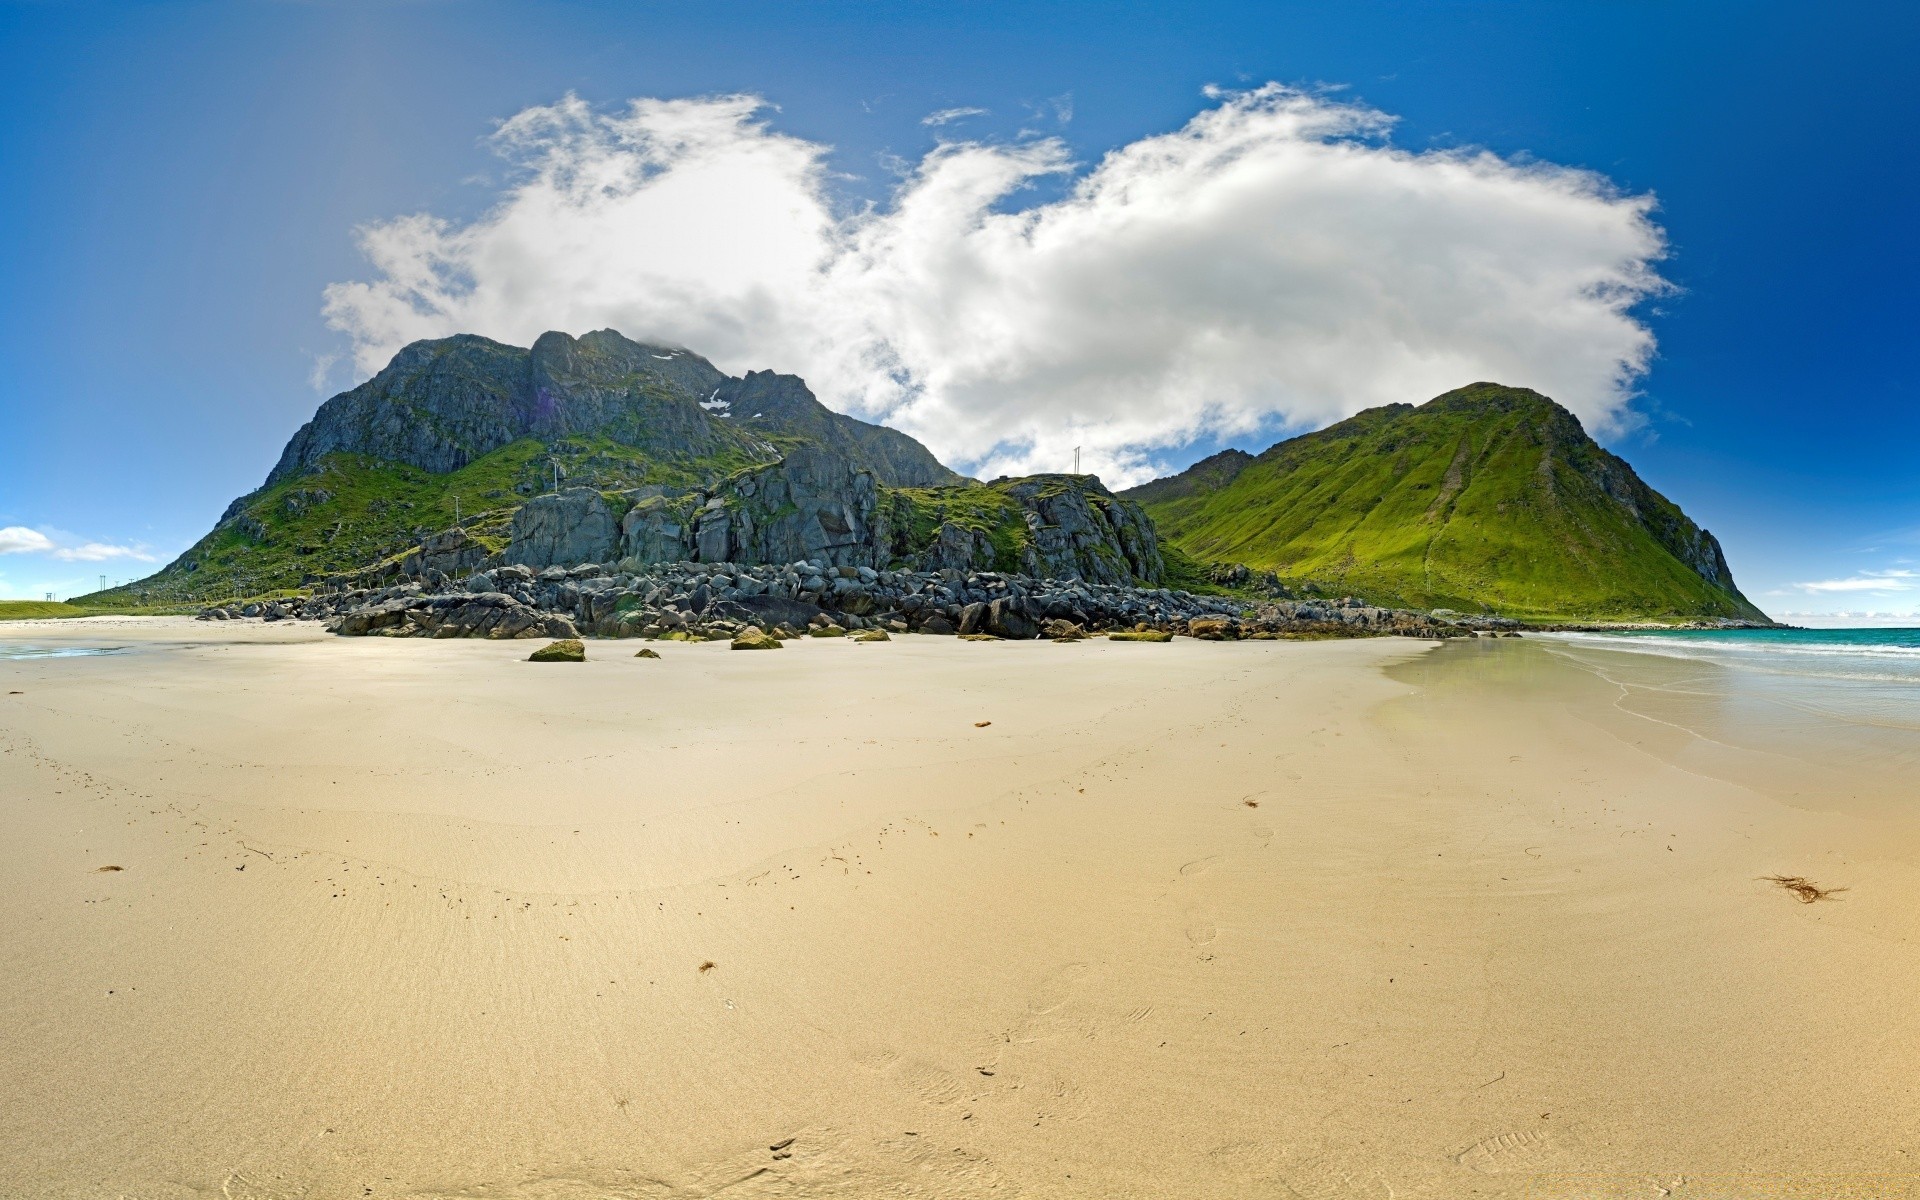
{"points": [[1275, 262], [18, 539], [1886, 582]]}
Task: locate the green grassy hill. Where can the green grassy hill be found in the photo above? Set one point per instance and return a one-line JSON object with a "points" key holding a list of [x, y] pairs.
{"points": [[39, 610], [1488, 498]]}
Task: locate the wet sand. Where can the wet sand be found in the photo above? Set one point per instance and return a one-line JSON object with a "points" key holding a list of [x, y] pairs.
{"points": [[1378, 918]]}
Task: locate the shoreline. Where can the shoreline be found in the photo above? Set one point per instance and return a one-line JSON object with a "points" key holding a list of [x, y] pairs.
{"points": [[1336, 918]]}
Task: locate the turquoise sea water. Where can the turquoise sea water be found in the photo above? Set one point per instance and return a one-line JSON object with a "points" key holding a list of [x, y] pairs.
{"points": [[1870, 656]]}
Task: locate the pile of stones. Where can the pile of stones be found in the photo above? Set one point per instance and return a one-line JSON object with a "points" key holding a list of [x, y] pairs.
{"points": [[716, 601]]}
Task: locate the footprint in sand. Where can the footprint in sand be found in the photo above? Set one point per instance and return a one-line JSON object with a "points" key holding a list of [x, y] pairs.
{"points": [[241, 1186], [1201, 932], [1525, 1150], [1199, 866], [1056, 988]]}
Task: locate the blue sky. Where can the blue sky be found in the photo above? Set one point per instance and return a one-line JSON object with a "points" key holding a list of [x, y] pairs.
{"points": [[183, 182]]}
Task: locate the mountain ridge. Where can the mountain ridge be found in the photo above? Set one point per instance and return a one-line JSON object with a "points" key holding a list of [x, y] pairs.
{"points": [[443, 403], [1486, 497]]}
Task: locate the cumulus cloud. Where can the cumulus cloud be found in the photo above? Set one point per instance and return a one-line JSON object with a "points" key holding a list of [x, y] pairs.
{"points": [[947, 115], [18, 539], [1275, 262]]}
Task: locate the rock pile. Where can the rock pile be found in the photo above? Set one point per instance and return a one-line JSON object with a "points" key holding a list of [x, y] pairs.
{"points": [[719, 601]]}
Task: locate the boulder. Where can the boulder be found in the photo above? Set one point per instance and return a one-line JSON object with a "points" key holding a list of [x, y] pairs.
{"points": [[765, 610], [973, 619], [752, 638], [450, 552], [1006, 618], [646, 653], [872, 635], [562, 529], [1212, 629], [566, 650], [827, 631], [1140, 635]]}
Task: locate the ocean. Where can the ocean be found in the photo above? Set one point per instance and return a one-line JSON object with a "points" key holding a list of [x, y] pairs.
{"points": [[1834, 712], [1863, 655]]}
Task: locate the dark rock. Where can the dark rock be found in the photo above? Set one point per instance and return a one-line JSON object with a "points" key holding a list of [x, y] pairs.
{"points": [[973, 619], [1006, 619], [765, 610], [569, 527]]}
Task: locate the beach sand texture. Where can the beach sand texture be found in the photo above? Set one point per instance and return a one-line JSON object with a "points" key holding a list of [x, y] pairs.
{"points": [[412, 919]]}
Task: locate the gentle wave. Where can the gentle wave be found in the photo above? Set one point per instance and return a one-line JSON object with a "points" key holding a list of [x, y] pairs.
{"points": [[1868, 656]]}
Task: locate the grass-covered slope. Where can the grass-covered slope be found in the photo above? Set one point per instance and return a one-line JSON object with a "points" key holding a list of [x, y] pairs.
{"points": [[39, 610], [1486, 498], [465, 420], [349, 511]]}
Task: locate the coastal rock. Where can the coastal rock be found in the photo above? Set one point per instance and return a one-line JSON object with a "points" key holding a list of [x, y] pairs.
{"points": [[569, 527], [1007, 619], [566, 650], [1079, 530], [753, 638], [450, 552]]}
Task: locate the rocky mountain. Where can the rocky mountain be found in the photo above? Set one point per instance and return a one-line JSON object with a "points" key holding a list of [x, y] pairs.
{"points": [[464, 452], [440, 405], [1488, 498]]}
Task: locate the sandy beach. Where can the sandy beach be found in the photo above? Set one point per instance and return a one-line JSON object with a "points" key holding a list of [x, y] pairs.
{"points": [[290, 916]]}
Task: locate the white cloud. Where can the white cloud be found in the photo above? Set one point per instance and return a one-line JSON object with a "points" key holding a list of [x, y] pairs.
{"points": [[1275, 261], [18, 539], [1867, 581], [947, 115], [100, 552]]}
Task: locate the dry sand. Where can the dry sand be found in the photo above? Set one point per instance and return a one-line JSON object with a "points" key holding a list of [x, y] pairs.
{"points": [[1361, 919]]}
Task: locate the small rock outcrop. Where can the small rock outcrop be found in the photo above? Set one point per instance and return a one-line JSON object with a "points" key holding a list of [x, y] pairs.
{"points": [[568, 527], [755, 638], [566, 650]]}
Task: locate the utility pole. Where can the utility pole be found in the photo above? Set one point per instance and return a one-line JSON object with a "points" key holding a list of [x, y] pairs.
{"points": [[456, 512], [1076, 460], [103, 583]]}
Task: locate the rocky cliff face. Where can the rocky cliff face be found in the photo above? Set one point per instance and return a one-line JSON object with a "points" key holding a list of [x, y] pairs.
{"points": [[783, 406], [816, 506], [440, 405]]}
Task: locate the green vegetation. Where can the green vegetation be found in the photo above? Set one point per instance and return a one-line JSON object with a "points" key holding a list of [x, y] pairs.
{"points": [[351, 512], [1485, 499], [913, 517], [38, 610]]}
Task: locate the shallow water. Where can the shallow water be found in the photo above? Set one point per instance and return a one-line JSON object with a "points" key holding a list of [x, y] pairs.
{"points": [[1826, 719], [14, 652]]}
